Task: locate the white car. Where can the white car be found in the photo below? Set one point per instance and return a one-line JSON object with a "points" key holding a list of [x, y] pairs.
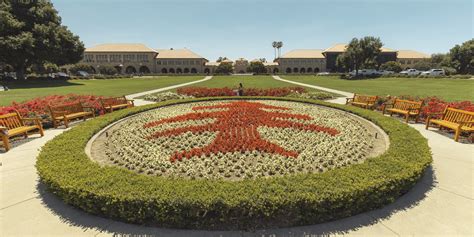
{"points": [[323, 73], [434, 72], [365, 72], [385, 72], [410, 72]]}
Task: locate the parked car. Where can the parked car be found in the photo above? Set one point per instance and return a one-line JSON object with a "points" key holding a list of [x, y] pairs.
{"points": [[61, 75], [410, 72], [385, 72], [365, 72], [323, 73], [83, 74], [434, 72]]}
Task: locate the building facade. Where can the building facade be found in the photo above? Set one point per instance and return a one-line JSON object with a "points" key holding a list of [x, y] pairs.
{"points": [[138, 58], [126, 58], [302, 61], [408, 58]]}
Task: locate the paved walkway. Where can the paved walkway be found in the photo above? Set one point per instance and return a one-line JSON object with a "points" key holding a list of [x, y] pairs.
{"points": [[339, 100], [441, 204], [139, 102]]}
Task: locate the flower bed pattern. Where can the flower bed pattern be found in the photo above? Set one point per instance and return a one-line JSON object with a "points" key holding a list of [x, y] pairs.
{"points": [[235, 140], [299, 199], [226, 91]]}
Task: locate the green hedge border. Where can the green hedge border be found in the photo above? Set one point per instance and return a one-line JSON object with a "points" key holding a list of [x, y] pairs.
{"points": [[301, 199]]}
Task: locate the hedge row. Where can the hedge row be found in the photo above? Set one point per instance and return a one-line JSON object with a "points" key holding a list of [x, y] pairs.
{"points": [[216, 204]]}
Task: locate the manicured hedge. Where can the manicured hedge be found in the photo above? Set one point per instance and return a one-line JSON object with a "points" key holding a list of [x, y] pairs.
{"points": [[212, 204]]}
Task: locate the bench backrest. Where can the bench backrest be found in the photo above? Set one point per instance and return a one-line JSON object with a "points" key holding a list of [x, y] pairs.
{"points": [[11, 120], [407, 104], [365, 99], [66, 108], [458, 115], [113, 101]]}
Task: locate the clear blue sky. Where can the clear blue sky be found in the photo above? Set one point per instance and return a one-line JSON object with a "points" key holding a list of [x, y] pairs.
{"points": [[246, 28]]}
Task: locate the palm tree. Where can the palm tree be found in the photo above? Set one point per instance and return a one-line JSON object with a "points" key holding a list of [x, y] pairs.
{"points": [[279, 45], [275, 44]]}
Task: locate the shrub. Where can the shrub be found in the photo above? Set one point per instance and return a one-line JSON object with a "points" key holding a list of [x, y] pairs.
{"points": [[314, 95], [300, 199], [107, 70], [257, 67], [224, 68], [391, 66], [164, 96], [81, 67]]}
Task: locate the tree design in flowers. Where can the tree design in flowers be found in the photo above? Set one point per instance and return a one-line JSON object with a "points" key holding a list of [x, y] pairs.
{"points": [[236, 126]]}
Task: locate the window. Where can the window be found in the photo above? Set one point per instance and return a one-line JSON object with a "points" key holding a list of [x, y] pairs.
{"points": [[88, 58], [158, 62], [101, 58], [115, 58], [129, 58], [142, 58]]}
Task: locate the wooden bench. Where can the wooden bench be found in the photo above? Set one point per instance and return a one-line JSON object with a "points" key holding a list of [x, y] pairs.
{"points": [[68, 112], [364, 101], [405, 107], [455, 119], [111, 104], [12, 124]]}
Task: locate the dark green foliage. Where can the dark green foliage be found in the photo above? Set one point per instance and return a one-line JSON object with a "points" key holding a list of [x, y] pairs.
{"points": [[257, 67], [224, 68], [212, 204], [422, 65], [462, 57], [360, 53], [391, 66], [81, 67], [107, 70], [31, 33]]}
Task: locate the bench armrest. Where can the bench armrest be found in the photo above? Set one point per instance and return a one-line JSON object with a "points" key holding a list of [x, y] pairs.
{"points": [[131, 101], [36, 120], [349, 100], [3, 130]]}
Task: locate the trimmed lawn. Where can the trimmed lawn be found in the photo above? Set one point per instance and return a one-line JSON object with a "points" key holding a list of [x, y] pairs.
{"points": [[247, 82], [107, 87], [445, 88]]}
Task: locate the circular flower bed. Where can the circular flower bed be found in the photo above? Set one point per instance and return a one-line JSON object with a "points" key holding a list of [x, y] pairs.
{"points": [[287, 200], [237, 139]]}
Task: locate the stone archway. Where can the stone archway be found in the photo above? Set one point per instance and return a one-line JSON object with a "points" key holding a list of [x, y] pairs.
{"points": [[119, 69], [288, 70], [130, 70], [207, 71], [309, 70], [295, 70], [164, 71], [302, 70], [179, 70], [275, 71], [171, 70], [193, 70], [144, 69], [186, 70], [316, 70]]}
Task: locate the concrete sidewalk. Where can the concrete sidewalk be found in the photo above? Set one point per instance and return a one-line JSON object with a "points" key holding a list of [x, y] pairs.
{"points": [[441, 204], [139, 102], [338, 100]]}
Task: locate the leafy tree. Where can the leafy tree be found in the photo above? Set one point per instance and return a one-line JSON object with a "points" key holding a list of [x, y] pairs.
{"points": [[31, 33], [343, 61], [461, 57], [107, 70], [440, 60], [224, 68], [81, 67], [257, 67], [422, 65], [391, 66], [361, 53]]}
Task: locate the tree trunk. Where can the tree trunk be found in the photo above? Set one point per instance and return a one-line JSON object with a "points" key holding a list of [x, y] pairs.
{"points": [[20, 73]]}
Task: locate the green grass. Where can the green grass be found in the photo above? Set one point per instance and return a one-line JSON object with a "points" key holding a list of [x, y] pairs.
{"points": [[445, 88], [107, 87], [247, 81]]}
